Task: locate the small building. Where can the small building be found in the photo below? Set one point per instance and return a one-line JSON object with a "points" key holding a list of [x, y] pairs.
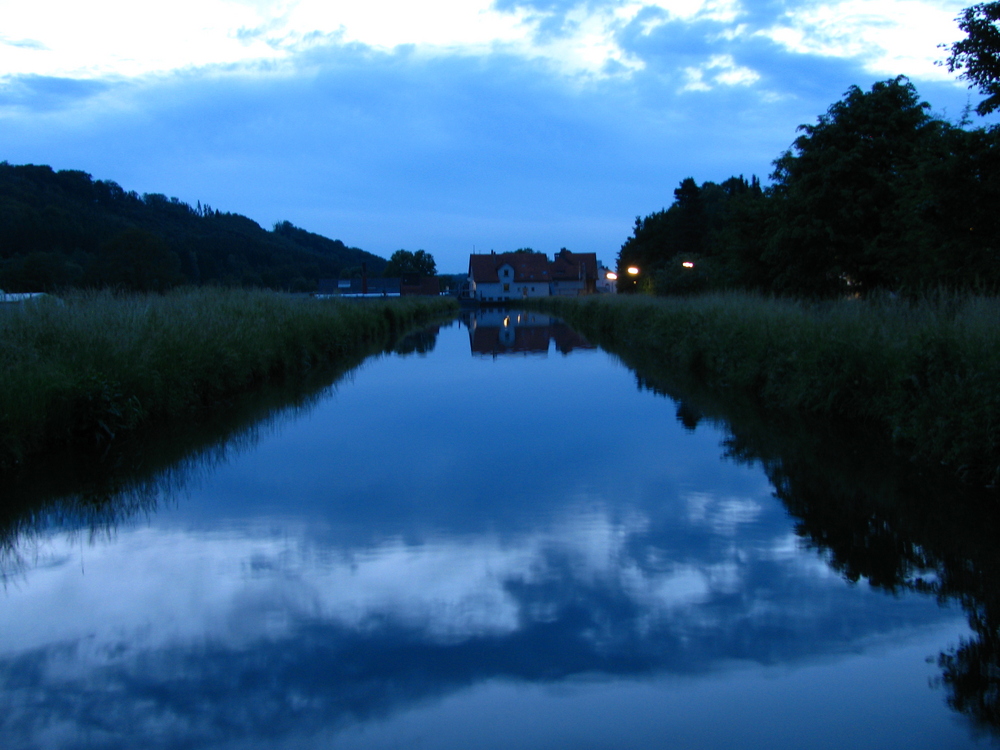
{"points": [[606, 280], [14, 297], [371, 287], [414, 284]]}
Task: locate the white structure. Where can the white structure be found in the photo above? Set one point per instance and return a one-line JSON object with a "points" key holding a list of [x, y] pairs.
{"points": [[606, 280], [512, 276]]}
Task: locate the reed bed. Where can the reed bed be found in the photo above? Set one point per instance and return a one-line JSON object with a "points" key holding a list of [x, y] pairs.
{"points": [[925, 373], [88, 368]]}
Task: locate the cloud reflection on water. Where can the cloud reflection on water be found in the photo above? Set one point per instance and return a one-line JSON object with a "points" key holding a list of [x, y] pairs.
{"points": [[260, 609]]}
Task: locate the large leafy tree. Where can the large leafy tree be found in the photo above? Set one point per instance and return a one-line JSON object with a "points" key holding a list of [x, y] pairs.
{"points": [[701, 242], [405, 263], [840, 215], [662, 237], [977, 57]]}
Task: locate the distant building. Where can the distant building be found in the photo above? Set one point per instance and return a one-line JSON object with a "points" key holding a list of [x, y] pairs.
{"points": [[427, 286], [502, 277], [573, 274], [606, 280], [372, 287], [380, 287], [12, 297], [507, 276]]}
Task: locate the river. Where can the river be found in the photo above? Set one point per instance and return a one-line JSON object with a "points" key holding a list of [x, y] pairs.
{"points": [[494, 537]]}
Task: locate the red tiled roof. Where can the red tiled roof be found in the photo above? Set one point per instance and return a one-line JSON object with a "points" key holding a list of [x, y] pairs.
{"points": [[569, 266], [484, 269]]}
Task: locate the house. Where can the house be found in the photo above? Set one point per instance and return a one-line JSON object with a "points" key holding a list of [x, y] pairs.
{"points": [[506, 277], [606, 280], [573, 274]]}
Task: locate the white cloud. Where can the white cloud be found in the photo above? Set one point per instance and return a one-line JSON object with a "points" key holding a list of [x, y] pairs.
{"points": [[715, 10], [718, 70], [124, 38], [251, 584], [889, 36]]}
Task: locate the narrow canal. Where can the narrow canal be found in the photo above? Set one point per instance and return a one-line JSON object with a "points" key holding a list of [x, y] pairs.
{"points": [[492, 538]]}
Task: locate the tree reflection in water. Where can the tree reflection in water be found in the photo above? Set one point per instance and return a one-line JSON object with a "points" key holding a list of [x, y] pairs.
{"points": [[899, 528], [93, 492], [874, 517]]}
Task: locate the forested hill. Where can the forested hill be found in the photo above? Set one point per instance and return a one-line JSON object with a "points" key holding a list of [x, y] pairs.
{"points": [[64, 229]]}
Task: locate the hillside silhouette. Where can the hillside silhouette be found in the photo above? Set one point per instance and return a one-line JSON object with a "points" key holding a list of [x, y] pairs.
{"points": [[64, 229]]}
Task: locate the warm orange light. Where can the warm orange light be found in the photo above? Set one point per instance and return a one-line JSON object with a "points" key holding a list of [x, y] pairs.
{"points": [[633, 271], [612, 276], [688, 264]]}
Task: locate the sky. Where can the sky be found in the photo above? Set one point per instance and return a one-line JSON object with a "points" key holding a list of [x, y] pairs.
{"points": [[450, 126]]}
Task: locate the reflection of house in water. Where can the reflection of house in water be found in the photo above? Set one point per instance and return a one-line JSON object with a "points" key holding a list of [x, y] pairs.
{"points": [[494, 332]]}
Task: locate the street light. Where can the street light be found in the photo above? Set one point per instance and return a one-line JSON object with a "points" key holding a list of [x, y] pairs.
{"points": [[633, 271], [688, 264], [611, 276]]}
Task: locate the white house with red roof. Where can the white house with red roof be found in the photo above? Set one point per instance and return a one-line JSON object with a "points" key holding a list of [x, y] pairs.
{"points": [[503, 277]]}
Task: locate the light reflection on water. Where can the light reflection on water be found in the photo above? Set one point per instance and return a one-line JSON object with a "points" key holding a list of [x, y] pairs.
{"points": [[457, 550]]}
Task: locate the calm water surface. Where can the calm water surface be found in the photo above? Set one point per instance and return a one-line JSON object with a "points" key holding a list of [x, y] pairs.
{"points": [[497, 542]]}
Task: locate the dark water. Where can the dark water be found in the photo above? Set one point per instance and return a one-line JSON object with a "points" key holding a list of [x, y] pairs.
{"points": [[492, 540]]}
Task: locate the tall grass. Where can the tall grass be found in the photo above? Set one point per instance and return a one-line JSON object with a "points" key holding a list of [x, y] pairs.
{"points": [[925, 373], [85, 369]]}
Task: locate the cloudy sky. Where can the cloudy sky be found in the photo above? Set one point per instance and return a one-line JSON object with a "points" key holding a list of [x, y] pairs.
{"points": [[445, 125]]}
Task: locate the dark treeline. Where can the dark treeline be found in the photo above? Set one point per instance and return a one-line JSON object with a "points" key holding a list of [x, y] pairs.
{"points": [[64, 229], [877, 195]]}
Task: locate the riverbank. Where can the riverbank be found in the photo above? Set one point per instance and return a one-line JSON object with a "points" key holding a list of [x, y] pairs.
{"points": [[88, 369], [926, 375]]}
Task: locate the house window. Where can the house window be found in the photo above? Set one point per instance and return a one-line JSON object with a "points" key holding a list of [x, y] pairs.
{"points": [[506, 287], [506, 272]]}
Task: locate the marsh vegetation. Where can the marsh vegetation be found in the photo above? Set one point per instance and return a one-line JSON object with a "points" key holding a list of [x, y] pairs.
{"points": [[84, 370], [925, 374]]}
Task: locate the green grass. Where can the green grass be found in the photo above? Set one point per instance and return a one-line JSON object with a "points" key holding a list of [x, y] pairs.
{"points": [[926, 374], [87, 369]]}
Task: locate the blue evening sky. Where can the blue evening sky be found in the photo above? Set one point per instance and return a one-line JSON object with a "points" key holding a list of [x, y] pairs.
{"points": [[445, 125]]}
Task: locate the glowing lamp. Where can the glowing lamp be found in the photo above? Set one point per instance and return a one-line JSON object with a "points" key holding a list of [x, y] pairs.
{"points": [[688, 264], [633, 271], [612, 276]]}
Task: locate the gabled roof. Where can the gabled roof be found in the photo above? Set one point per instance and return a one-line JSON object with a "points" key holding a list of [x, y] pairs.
{"points": [[569, 266], [484, 269]]}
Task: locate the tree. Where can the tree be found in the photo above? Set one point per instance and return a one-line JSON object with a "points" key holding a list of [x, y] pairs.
{"points": [[40, 272], [137, 260], [405, 263], [978, 55], [840, 215]]}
